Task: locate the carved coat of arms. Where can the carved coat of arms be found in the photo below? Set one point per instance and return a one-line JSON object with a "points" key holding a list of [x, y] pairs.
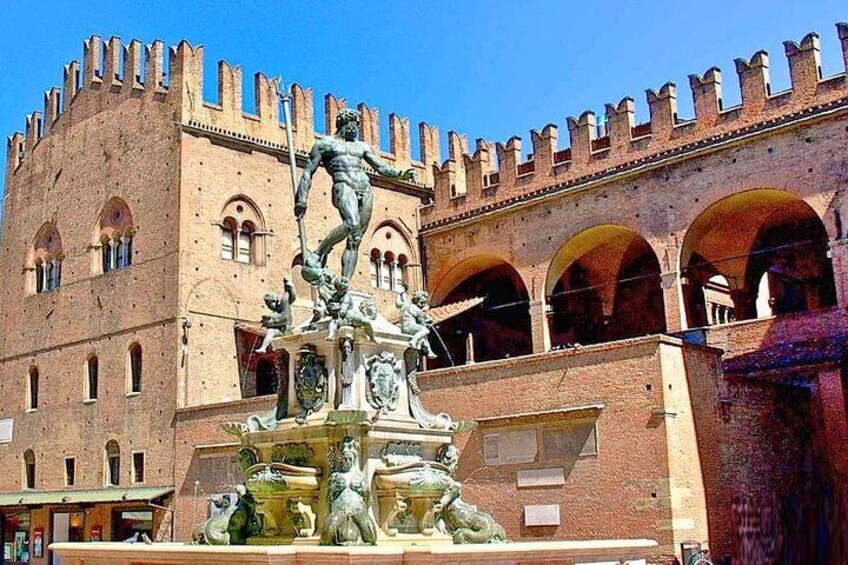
{"points": [[310, 381], [385, 373]]}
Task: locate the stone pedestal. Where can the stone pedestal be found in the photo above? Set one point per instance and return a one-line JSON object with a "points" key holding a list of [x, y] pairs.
{"points": [[348, 386]]}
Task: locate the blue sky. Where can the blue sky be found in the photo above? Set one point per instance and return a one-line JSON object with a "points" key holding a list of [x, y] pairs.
{"points": [[488, 69]]}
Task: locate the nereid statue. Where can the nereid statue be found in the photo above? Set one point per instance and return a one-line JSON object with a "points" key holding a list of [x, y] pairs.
{"points": [[342, 156], [349, 522]]}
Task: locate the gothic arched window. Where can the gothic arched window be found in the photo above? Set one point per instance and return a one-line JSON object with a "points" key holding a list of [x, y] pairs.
{"points": [[114, 236], [242, 232], [389, 259], [46, 262]]}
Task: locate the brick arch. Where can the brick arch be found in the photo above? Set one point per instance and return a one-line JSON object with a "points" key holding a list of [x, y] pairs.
{"points": [[749, 233], [499, 326], [602, 284], [464, 268], [586, 241], [211, 290]]}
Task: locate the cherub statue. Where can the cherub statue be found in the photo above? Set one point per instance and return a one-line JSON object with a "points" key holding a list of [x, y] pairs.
{"points": [[338, 305], [414, 320], [278, 321], [321, 278], [363, 317], [342, 311]]}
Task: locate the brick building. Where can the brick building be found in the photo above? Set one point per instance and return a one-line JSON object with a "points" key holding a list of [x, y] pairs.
{"points": [[647, 325]]}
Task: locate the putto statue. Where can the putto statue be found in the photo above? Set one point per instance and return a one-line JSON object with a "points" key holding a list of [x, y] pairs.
{"points": [[414, 320], [349, 522], [343, 312], [342, 156], [278, 321]]}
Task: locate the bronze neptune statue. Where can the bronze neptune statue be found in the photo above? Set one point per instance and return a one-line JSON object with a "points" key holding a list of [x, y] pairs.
{"points": [[342, 156]]}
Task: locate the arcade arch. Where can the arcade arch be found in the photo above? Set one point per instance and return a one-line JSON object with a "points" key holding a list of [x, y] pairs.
{"points": [[604, 284], [767, 246], [499, 326]]}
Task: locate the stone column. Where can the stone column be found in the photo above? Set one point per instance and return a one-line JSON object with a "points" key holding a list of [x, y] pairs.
{"points": [[839, 260], [541, 336], [834, 419], [744, 304], [671, 302]]}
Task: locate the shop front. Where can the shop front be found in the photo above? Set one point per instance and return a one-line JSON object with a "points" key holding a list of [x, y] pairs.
{"points": [[15, 536], [30, 521]]}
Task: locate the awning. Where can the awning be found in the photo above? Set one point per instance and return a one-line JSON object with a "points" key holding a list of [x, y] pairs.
{"points": [[27, 498]]}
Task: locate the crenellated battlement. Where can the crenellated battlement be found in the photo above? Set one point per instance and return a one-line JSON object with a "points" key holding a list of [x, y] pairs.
{"points": [[464, 181], [174, 77], [464, 186]]}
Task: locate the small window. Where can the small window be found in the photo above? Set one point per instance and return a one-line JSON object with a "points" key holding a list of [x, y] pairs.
{"points": [[399, 273], [387, 270], [138, 467], [92, 378], [128, 255], [29, 469], [106, 254], [227, 240], [121, 254], [113, 464], [70, 471], [32, 389], [375, 268], [245, 243], [135, 368], [39, 277]]}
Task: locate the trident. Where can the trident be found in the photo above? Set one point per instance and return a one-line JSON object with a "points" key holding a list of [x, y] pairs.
{"points": [[285, 98]]}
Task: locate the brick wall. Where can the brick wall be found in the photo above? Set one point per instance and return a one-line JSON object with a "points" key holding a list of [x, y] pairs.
{"points": [[637, 483]]}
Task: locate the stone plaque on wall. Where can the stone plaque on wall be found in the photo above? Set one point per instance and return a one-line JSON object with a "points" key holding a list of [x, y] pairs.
{"points": [[6, 430], [530, 478], [541, 515], [569, 441], [517, 446]]}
